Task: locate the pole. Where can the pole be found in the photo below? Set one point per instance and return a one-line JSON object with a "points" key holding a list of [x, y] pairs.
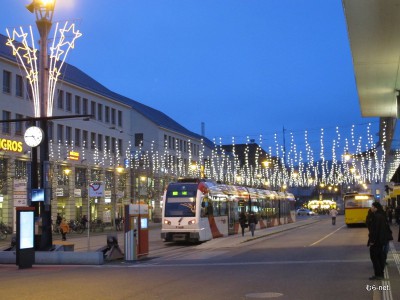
{"points": [[89, 220], [46, 243]]}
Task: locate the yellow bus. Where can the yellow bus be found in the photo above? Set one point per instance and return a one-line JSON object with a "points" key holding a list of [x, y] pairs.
{"points": [[356, 207]]}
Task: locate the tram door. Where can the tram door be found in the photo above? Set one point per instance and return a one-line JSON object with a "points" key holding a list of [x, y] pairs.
{"points": [[232, 216]]}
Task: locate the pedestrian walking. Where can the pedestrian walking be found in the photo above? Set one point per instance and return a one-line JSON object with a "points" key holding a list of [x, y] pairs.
{"points": [[333, 213], [58, 220], [243, 221], [84, 221], [64, 228], [377, 238], [252, 223]]}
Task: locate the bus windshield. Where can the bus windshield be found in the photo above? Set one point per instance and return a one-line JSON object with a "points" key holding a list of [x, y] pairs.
{"points": [[358, 201], [181, 200]]}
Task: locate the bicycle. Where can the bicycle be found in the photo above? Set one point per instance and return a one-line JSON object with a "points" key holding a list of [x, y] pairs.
{"points": [[97, 224], [3, 235], [77, 227], [5, 230], [56, 229]]}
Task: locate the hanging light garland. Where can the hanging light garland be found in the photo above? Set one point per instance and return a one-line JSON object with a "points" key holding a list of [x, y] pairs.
{"points": [[350, 162]]}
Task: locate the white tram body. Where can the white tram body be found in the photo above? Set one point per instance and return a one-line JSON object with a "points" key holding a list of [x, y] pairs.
{"points": [[198, 211]]}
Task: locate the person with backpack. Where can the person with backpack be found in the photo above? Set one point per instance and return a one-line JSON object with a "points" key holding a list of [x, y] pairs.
{"points": [[252, 223], [243, 222]]}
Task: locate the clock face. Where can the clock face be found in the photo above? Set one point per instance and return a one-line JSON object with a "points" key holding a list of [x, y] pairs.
{"points": [[33, 136]]}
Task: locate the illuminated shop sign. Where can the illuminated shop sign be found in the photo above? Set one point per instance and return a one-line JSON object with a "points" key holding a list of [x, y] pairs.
{"points": [[73, 155], [10, 145]]}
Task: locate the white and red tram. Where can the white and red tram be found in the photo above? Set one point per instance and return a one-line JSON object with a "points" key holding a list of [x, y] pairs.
{"points": [[199, 210]]}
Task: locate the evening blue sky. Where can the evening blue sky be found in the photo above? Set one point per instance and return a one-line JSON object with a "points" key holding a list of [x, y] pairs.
{"points": [[243, 67]]}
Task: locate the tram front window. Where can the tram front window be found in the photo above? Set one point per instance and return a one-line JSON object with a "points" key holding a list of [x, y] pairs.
{"points": [[180, 207], [181, 200]]}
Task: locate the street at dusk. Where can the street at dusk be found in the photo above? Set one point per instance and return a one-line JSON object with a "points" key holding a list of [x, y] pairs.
{"points": [[213, 149]]}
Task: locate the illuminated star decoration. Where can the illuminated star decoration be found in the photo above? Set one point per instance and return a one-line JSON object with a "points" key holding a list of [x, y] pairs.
{"points": [[27, 56], [58, 54], [28, 59]]}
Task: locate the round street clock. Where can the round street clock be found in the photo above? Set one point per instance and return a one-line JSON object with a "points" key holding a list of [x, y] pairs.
{"points": [[33, 136]]}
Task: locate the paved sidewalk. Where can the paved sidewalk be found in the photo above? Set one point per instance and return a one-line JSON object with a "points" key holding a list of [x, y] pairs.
{"points": [[96, 241], [238, 240]]}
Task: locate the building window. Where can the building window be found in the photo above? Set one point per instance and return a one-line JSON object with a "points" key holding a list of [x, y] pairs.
{"points": [[120, 118], [107, 139], [85, 106], [68, 102], [107, 114], [3, 175], [113, 146], [100, 142], [50, 130], [6, 126], [60, 133], [60, 99], [100, 112], [138, 139], [120, 146], [18, 125], [113, 116], [19, 86], [93, 109], [21, 169], [78, 105], [68, 134], [85, 143], [92, 140], [77, 137], [80, 178], [6, 82], [29, 93]]}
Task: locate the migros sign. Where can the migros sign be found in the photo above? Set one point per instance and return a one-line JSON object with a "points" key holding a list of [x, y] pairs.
{"points": [[10, 145]]}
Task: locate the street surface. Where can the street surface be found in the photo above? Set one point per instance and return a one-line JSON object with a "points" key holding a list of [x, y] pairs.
{"points": [[311, 259]]}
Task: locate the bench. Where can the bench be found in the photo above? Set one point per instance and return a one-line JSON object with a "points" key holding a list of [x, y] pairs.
{"points": [[66, 246]]}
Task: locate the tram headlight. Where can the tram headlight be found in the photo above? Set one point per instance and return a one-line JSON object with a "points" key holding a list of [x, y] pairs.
{"points": [[191, 222], [166, 222]]}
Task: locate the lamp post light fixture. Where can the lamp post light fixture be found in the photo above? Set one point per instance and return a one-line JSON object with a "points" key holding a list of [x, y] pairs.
{"points": [[347, 156], [42, 78], [44, 10], [118, 171], [67, 171]]}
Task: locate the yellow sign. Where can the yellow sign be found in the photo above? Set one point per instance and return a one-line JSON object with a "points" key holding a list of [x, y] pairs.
{"points": [[73, 155], [10, 145]]}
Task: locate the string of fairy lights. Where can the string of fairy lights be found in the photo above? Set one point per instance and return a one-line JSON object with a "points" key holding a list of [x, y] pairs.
{"points": [[342, 160]]}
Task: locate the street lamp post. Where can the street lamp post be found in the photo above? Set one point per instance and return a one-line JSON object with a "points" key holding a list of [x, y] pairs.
{"points": [[44, 10], [119, 170]]}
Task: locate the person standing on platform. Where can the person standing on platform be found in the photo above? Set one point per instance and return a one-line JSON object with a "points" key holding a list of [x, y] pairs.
{"points": [[252, 223], [84, 221], [64, 228], [377, 239], [242, 221], [333, 213]]}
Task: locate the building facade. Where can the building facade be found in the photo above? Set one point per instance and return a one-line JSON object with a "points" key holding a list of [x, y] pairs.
{"points": [[132, 149]]}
